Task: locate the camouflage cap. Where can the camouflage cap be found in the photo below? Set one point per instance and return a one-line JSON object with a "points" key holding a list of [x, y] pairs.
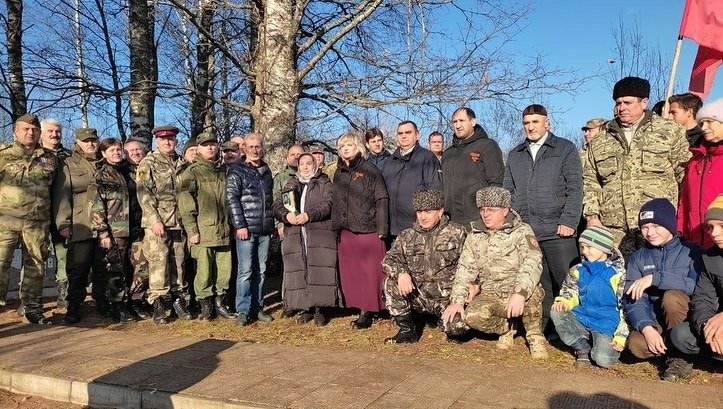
{"points": [[314, 148], [31, 119], [493, 196], [165, 130], [205, 137], [83, 134], [425, 199], [229, 146], [593, 123], [189, 144]]}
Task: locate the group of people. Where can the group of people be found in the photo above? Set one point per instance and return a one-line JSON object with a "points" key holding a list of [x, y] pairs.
{"points": [[582, 246]]}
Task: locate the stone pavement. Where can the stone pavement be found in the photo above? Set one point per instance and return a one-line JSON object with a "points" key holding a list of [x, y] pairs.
{"points": [[99, 367]]}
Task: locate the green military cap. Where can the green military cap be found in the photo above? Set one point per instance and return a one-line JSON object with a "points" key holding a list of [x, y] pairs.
{"points": [[31, 119], [205, 137], [229, 146], [83, 134], [594, 123], [164, 131], [189, 144]]}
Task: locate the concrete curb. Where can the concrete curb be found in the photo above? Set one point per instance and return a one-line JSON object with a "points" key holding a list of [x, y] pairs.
{"points": [[100, 395]]}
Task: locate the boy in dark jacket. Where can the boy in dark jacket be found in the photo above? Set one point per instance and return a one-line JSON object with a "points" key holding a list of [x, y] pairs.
{"points": [[660, 279], [705, 329], [588, 307]]}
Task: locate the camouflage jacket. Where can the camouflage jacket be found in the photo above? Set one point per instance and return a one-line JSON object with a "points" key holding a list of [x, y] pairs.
{"points": [[157, 183], [25, 181], [202, 203], [428, 256], [109, 203], [502, 262], [128, 171], [70, 195], [618, 179]]}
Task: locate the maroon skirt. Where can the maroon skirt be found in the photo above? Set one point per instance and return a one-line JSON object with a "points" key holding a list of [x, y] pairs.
{"points": [[360, 270]]}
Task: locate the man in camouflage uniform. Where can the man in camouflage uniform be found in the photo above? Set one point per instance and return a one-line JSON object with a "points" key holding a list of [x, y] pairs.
{"points": [[280, 180], [639, 156], [420, 267], [163, 242], [51, 136], [26, 172], [137, 280], [70, 211], [204, 216], [498, 275]]}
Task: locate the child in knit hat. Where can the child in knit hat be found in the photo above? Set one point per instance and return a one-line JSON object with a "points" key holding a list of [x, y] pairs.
{"points": [[587, 313], [660, 279]]}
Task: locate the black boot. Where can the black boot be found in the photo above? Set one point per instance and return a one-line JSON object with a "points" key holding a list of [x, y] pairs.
{"points": [[206, 308], [179, 306], [120, 313], [319, 317], [103, 307], [407, 333], [159, 312], [138, 307], [35, 316], [72, 314], [364, 321], [221, 309]]}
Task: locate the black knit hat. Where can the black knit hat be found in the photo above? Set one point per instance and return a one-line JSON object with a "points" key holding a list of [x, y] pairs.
{"points": [[660, 212], [631, 87]]}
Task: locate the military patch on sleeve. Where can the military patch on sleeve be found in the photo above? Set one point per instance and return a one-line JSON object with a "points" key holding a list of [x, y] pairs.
{"points": [[532, 242], [141, 175]]}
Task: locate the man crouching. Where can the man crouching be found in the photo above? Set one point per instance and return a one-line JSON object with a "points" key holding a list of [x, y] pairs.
{"points": [[498, 275], [420, 267]]}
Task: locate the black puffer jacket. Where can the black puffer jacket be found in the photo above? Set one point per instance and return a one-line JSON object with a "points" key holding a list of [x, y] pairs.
{"points": [[249, 197], [361, 202]]}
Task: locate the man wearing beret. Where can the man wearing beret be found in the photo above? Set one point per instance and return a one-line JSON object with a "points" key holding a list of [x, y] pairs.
{"points": [[639, 156], [420, 267], [498, 275], [204, 216], [163, 242], [71, 215], [26, 172]]}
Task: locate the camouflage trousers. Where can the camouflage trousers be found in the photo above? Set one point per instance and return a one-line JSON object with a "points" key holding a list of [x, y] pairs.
{"points": [[138, 280], [61, 253], [428, 298], [165, 257], [33, 239], [114, 266], [213, 269], [487, 313]]}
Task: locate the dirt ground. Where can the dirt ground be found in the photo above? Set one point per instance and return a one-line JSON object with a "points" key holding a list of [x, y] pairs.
{"points": [[16, 401]]}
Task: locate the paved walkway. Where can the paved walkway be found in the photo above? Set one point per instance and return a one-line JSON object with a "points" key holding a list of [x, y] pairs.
{"points": [[99, 367]]}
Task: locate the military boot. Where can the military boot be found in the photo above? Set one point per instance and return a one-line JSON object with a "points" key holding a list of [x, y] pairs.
{"points": [[35, 316], [159, 312], [103, 307], [678, 369], [538, 347], [72, 314], [206, 308], [221, 309], [120, 313], [407, 333], [364, 321], [62, 293], [180, 308], [138, 307], [506, 340]]}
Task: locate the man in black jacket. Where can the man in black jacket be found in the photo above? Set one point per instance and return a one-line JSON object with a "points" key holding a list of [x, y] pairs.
{"points": [[473, 162], [544, 175], [409, 169], [249, 199]]}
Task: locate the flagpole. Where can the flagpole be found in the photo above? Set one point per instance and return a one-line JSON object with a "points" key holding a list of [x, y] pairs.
{"points": [[671, 80]]}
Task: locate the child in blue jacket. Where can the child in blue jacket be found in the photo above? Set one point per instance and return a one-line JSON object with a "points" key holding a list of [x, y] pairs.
{"points": [[587, 313]]}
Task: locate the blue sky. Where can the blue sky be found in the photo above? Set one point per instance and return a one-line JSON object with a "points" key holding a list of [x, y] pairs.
{"points": [[577, 34]]}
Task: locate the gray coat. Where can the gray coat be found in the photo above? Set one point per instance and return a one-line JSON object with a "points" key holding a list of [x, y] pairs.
{"points": [[309, 251]]}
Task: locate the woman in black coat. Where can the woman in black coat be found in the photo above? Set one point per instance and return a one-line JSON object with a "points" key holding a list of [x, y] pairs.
{"points": [[309, 245], [361, 216]]}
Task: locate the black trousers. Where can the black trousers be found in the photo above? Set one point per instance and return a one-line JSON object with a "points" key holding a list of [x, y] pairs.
{"points": [[558, 255], [82, 257]]}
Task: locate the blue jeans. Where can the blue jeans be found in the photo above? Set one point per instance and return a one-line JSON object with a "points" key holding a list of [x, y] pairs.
{"points": [[252, 254], [576, 335]]}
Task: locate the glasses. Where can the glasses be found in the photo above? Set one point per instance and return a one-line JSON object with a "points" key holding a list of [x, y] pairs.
{"points": [[491, 210]]}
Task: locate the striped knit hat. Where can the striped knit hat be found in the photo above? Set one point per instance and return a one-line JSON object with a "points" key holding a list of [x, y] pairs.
{"points": [[598, 237], [715, 210]]}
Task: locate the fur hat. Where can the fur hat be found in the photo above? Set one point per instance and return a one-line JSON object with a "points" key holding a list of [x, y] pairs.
{"points": [[631, 87], [427, 200], [712, 110], [493, 196]]}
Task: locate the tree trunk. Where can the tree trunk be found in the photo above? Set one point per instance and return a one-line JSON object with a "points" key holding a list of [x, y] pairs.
{"points": [[276, 87], [80, 66], [117, 97], [14, 34], [144, 67], [201, 110]]}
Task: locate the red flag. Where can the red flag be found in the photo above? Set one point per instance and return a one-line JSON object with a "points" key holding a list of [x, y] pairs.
{"points": [[703, 23]]}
